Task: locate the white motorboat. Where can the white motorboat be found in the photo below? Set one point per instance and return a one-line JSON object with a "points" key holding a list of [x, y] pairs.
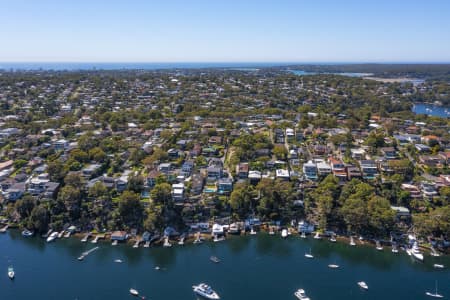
{"points": [[438, 266], [11, 273], [435, 294], [363, 285], [333, 238], [415, 252], [119, 261], [252, 231], [303, 235], [214, 259], [301, 295], [379, 247], [333, 266], [309, 255], [205, 291], [284, 233], [52, 237], [134, 292], [27, 233], [394, 248]]}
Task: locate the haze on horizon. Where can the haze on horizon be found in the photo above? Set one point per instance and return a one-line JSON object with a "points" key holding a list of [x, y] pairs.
{"points": [[225, 31]]}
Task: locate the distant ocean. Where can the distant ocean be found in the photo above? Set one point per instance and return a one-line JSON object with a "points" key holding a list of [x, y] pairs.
{"points": [[62, 66]]}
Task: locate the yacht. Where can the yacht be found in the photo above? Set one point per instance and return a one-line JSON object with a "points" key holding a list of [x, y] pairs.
{"points": [[52, 237], [301, 295], [363, 285], [415, 252], [205, 291], [134, 292], [27, 233], [435, 294], [11, 273], [309, 255], [284, 233]]}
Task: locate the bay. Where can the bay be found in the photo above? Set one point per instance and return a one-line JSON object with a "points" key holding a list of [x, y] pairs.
{"points": [[431, 110], [259, 267]]}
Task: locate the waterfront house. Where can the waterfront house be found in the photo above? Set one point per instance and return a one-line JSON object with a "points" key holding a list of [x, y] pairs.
{"points": [[338, 169], [214, 173], [224, 186], [197, 184], [178, 192], [353, 172], [254, 176], [282, 174], [369, 169], [414, 191], [310, 170], [187, 168], [358, 154], [323, 169], [242, 170]]}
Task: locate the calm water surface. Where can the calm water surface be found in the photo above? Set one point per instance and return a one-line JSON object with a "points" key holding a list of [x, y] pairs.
{"points": [[259, 267], [432, 110]]}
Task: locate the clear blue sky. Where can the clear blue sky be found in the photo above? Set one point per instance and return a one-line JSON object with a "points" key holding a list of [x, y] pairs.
{"points": [[225, 31]]}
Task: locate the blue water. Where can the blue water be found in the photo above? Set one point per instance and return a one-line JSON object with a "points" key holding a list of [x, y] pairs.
{"points": [[432, 110], [258, 267], [61, 66], [349, 74]]}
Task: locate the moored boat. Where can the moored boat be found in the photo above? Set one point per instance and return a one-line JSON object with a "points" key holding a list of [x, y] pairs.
{"points": [[284, 233], [333, 266], [435, 294], [378, 246], [438, 266], [363, 285], [134, 292], [205, 291], [309, 255], [352, 241], [52, 237], [11, 273], [27, 233], [301, 295], [214, 259]]}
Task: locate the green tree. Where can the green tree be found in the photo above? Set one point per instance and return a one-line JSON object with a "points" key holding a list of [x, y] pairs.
{"points": [[381, 217], [131, 209], [39, 219], [161, 193]]}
